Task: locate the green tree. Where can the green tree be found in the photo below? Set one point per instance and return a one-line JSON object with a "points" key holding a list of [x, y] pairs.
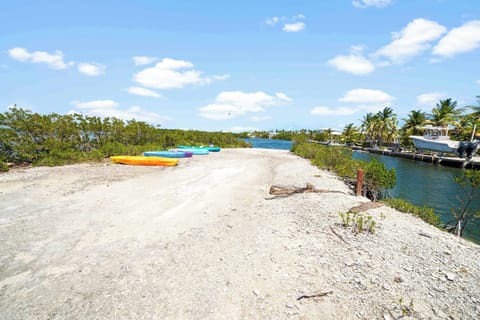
{"points": [[469, 182], [350, 133], [445, 113]]}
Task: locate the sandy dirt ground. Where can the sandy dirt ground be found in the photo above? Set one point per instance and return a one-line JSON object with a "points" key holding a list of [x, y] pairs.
{"points": [[204, 240]]}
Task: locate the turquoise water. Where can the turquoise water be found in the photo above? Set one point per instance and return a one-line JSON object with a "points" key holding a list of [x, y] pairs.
{"points": [[269, 143], [426, 184]]}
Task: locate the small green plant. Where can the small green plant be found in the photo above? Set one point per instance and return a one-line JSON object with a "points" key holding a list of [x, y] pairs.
{"points": [[358, 222], [407, 310]]}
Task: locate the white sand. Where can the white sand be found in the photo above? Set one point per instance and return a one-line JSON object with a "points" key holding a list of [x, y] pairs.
{"points": [[201, 241]]}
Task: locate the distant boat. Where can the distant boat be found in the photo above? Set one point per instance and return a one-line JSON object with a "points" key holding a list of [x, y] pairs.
{"points": [[168, 154], [437, 139], [144, 161]]}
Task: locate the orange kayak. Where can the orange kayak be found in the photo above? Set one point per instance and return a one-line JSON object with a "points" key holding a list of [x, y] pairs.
{"points": [[145, 161]]}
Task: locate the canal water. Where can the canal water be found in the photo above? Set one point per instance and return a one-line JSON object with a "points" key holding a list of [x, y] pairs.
{"points": [[269, 143], [425, 184]]}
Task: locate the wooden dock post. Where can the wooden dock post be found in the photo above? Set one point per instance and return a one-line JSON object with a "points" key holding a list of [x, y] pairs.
{"points": [[358, 191]]}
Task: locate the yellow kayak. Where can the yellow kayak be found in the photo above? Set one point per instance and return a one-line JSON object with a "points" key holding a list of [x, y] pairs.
{"points": [[145, 161]]}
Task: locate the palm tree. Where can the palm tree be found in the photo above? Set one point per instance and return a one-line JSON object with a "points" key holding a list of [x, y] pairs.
{"points": [[349, 133], [415, 119], [368, 127], [445, 113], [472, 120], [386, 125]]}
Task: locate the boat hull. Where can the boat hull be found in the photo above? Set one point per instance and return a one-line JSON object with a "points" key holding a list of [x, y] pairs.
{"points": [[440, 145], [145, 161], [168, 154]]}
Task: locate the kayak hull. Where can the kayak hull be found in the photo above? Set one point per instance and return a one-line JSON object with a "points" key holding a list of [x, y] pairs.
{"points": [[211, 149], [168, 154], [145, 161], [195, 151]]}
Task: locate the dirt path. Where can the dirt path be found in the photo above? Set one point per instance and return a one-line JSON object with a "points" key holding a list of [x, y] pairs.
{"points": [[201, 241]]}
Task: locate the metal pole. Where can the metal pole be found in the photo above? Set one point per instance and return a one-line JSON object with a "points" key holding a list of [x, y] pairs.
{"points": [[359, 182]]}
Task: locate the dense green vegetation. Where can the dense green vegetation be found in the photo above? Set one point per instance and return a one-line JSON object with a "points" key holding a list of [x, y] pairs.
{"points": [[425, 213], [55, 139], [377, 179]]}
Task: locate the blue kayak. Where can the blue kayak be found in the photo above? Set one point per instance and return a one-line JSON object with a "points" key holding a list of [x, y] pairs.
{"points": [[168, 154], [212, 149], [195, 151]]}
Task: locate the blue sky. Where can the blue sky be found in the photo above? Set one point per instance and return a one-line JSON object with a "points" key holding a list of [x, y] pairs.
{"points": [[238, 65]]}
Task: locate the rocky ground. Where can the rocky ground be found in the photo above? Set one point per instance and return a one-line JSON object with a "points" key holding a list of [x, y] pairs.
{"points": [[206, 240]]}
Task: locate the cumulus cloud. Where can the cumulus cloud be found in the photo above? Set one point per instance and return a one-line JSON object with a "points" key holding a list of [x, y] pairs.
{"points": [[290, 24], [53, 60], [459, 40], [371, 3], [143, 60], [354, 63], [366, 97], [430, 99], [329, 111], [91, 69], [478, 81], [412, 40], [232, 104], [109, 108], [143, 92], [171, 73], [293, 27]]}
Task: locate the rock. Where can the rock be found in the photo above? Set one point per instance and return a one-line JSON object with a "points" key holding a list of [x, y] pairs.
{"points": [[450, 276], [289, 306], [256, 292]]}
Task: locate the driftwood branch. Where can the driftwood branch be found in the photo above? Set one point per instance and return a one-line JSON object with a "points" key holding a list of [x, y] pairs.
{"points": [[335, 233], [284, 191], [365, 207], [315, 295]]}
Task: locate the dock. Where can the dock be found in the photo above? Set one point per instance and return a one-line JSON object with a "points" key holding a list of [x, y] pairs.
{"points": [[432, 158]]}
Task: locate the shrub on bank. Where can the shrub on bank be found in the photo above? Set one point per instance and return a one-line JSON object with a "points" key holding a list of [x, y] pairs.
{"points": [[425, 213], [3, 166], [377, 178]]}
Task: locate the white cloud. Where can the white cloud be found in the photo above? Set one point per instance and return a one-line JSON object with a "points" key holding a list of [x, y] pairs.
{"points": [[367, 97], [272, 21], [283, 96], [328, 111], [290, 24], [143, 92], [231, 104], [293, 27], [260, 118], [54, 61], [170, 73], [478, 81], [459, 40], [109, 108], [412, 40], [91, 69], [96, 104], [371, 3], [353, 63], [430, 99], [238, 129], [143, 60]]}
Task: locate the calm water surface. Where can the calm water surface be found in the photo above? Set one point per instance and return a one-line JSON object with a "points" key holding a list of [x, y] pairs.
{"points": [[269, 143], [424, 184]]}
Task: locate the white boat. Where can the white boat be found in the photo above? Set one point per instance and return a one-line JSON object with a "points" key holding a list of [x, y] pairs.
{"points": [[437, 139]]}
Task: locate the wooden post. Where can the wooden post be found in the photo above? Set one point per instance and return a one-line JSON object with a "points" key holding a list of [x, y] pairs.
{"points": [[358, 192]]}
